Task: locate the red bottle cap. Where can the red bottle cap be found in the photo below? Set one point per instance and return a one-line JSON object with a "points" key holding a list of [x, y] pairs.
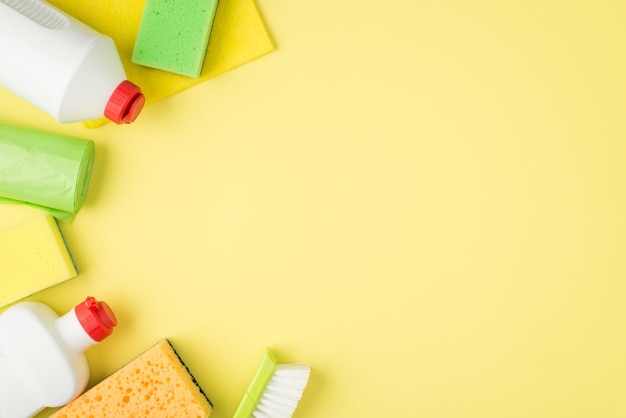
{"points": [[97, 318], [125, 103]]}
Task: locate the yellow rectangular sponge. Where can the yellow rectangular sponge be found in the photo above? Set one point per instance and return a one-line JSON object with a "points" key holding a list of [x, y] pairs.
{"points": [[156, 384], [33, 257]]}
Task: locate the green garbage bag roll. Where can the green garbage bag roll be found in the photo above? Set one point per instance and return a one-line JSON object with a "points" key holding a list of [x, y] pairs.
{"points": [[43, 169]]}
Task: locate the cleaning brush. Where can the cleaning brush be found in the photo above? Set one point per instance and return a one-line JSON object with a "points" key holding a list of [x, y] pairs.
{"points": [[275, 389]]}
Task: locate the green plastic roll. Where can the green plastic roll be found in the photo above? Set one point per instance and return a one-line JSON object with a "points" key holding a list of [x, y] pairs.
{"points": [[44, 169]]}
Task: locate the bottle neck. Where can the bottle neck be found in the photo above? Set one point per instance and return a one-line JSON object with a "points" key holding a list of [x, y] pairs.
{"points": [[72, 333]]}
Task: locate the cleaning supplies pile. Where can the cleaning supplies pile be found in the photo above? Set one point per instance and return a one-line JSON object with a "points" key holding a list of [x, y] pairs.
{"points": [[135, 389], [155, 55], [63, 66], [63, 58], [75, 73]]}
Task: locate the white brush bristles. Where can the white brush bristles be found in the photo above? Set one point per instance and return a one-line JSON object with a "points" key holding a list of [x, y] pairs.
{"points": [[283, 391]]}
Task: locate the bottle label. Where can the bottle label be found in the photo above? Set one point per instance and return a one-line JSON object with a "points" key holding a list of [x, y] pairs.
{"points": [[39, 12]]}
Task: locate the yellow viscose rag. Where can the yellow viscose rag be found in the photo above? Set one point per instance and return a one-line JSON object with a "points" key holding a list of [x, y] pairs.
{"points": [[238, 36]]}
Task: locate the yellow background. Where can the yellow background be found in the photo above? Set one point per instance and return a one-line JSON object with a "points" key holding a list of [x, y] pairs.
{"points": [[424, 199]]}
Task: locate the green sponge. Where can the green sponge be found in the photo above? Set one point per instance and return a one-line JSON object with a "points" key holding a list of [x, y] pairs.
{"points": [[174, 34]]}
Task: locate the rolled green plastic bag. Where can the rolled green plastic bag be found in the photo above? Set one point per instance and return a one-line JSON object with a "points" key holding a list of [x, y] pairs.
{"points": [[46, 170]]}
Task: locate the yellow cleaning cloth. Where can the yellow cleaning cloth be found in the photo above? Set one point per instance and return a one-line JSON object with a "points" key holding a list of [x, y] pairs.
{"points": [[238, 36]]}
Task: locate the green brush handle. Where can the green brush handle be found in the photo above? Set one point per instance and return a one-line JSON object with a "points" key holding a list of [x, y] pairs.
{"points": [[257, 386]]}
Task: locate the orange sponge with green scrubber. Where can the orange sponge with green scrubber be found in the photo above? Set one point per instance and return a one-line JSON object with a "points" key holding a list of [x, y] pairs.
{"points": [[155, 384]]}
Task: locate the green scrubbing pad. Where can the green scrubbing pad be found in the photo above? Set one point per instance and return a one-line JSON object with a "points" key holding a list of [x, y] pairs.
{"points": [[174, 34]]}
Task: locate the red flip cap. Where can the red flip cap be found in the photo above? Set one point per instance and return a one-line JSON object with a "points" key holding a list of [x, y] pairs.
{"points": [[97, 318], [125, 103]]}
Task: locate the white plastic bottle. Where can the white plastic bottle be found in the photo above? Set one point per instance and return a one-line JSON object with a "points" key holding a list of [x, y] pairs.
{"points": [[42, 363], [63, 66]]}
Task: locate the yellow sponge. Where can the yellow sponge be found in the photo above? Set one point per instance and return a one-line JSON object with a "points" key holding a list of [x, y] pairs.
{"points": [[156, 384], [33, 256]]}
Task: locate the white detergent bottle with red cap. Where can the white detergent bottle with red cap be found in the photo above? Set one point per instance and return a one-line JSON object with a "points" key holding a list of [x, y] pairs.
{"points": [[63, 66], [42, 361]]}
